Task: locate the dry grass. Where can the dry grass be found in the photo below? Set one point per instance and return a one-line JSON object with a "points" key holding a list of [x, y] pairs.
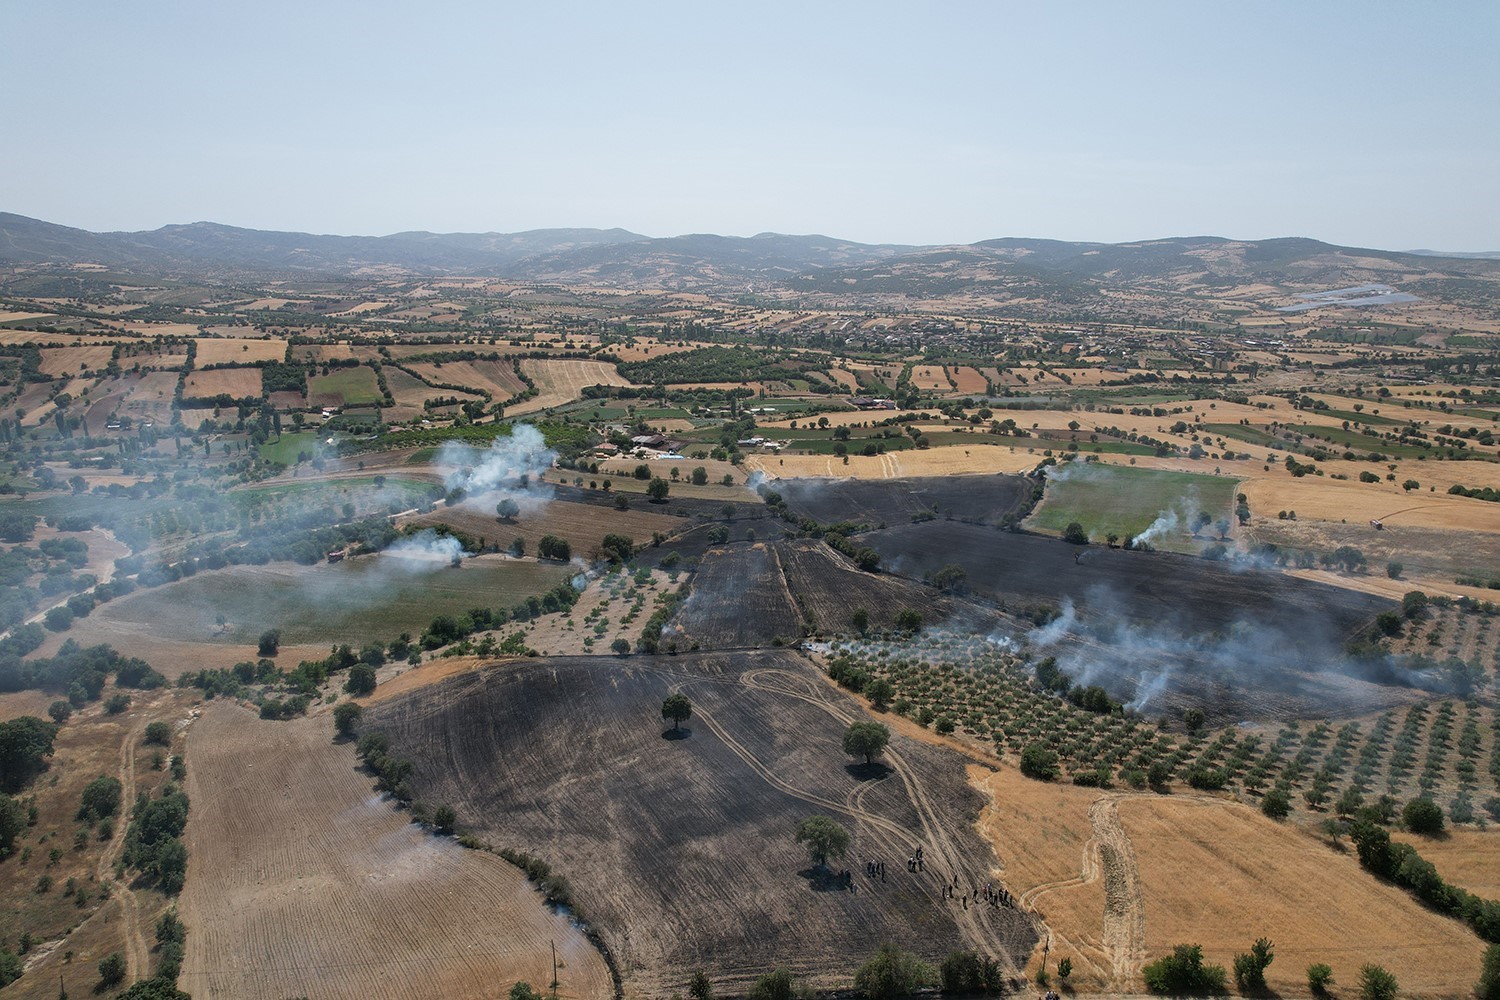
{"points": [[70, 360], [1467, 858], [498, 378], [943, 461], [302, 881], [236, 382], [930, 377], [562, 380], [151, 398], [969, 380], [237, 351]]}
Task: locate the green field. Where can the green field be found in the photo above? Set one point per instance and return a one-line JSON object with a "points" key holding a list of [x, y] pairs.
{"points": [[372, 597], [354, 385], [287, 447], [1125, 501]]}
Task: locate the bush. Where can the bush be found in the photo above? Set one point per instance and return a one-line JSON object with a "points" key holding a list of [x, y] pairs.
{"points": [[270, 642], [444, 818], [1423, 816], [1183, 973], [1488, 987], [111, 970], [159, 733], [1075, 534], [346, 718], [117, 703], [1376, 984], [361, 679], [1277, 804], [101, 797], [1319, 978], [776, 985], [892, 973], [1038, 762], [1250, 969]]}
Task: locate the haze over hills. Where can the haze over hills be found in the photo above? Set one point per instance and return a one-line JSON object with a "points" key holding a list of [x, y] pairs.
{"points": [[768, 261]]}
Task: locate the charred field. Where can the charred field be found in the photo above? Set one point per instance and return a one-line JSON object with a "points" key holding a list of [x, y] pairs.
{"points": [[980, 499], [679, 850]]}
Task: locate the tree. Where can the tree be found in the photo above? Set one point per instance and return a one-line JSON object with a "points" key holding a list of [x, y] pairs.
{"points": [[111, 970], [700, 987], [617, 548], [823, 839], [860, 620], [1411, 484], [892, 973], [346, 718], [1038, 762], [1376, 984], [12, 822], [444, 819], [361, 679], [1394, 569], [775, 985], [552, 547], [60, 711], [270, 642], [159, 733], [867, 559], [1250, 969], [951, 579], [1183, 973], [700, 476], [1064, 968], [11, 967], [1423, 816], [101, 797], [1194, 719], [1074, 534], [866, 739], [507, 509], [880, 693], [524, 991], [962, 972], [678, 709], [1277, 803], [25, 744], [1319, 978], [1488, 987], [658, 489], [58, 619], [909, 621]]}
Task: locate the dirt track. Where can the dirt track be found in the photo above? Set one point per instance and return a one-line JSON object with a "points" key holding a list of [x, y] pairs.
{"points": [[302, 881]]}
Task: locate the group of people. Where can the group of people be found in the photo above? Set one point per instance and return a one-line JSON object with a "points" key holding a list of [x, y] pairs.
{"points": [[995, 895]]}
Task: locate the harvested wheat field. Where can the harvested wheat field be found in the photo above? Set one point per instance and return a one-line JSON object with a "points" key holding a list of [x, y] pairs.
{"points": [[70, 360], [562, 380], [1466, 857], [303, 882], [970, 381], [240, 383], [498, 378], [1120, 878], [235, 351], [894, 465]]}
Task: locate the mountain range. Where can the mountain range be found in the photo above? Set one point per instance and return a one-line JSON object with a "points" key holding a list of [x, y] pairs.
{"points": [[768, 261]]}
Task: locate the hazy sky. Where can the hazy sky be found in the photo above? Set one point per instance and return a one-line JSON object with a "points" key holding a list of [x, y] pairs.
{"points": [[1364, 123]]}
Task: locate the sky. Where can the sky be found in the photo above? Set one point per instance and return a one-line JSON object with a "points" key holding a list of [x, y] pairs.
{"points": [[1367, 124]]}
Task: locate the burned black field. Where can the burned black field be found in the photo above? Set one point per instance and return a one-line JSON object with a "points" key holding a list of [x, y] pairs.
{"points": [[880, 503], [680, 851]]}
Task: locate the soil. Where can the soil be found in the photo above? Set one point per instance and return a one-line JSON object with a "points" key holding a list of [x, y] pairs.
{"points": [[679, 850]]}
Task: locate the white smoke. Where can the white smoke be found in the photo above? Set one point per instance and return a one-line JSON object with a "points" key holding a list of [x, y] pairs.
{"points": [[1166, 523], [512, 463], [426, 548], [1057, 629], [757, 480]]}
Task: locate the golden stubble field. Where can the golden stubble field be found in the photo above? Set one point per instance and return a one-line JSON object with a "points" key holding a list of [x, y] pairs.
{"points": [[302, 881]]}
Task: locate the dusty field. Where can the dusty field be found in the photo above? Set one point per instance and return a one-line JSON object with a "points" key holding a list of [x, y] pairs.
{"points": [[235, 351], [151, 399], [970, 381], [237, 382], [302, 881], [711, 813], [562, 380], [931, 377]]}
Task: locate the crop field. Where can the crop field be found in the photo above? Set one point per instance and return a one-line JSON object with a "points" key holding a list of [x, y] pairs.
{"points": [[562, 380], [241, 383], [410, 393], [932, 378], [970, 381], [352, 601], [151, 399], [978, 499], [739, 599], [344, 387], [302, 881], [498, 378], [582, 525], [236, 351], [58, 361], [1125, 501], [711, 813]]}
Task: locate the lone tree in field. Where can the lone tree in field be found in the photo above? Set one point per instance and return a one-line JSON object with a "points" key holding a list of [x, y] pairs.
{"points": [[678, 709], [270, 642], [346, 718], [658, 489], [507, 509], [1074, 534], [866, 739], [823, 839]]}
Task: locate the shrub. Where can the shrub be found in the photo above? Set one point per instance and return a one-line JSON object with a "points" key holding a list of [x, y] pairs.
{"points": [[346, 718], [1376, 984], [444, 818], [159, 733], [117, 703], [111, 970], [1423, 816], [1319, 978], [361, 679], [892, 973], [776, 985], [1183, 973], [1038, 762], [101, 797], [1250, 969], [1277, 803], [1488, 987]]}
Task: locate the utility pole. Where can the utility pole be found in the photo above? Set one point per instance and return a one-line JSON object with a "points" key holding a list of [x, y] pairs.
{"points": [[554, 968]]}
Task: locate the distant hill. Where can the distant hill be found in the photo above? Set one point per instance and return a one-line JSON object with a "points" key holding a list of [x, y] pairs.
{"points": [[1062, 272]]}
